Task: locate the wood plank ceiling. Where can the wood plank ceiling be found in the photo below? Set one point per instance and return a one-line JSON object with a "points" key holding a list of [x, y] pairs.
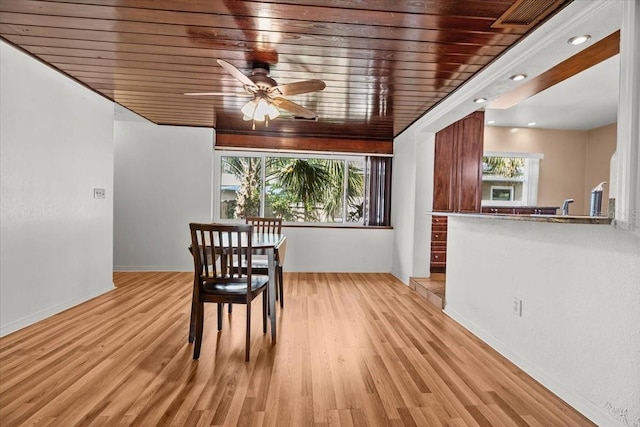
{"points": [[385, 63]]}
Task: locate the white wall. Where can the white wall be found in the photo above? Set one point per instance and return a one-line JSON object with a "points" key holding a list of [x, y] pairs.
{"points": [[627, 178], [56, 145], [339, 250], [163, 181], [403, 190], [411, 198], [425, 152], [579, 333]]}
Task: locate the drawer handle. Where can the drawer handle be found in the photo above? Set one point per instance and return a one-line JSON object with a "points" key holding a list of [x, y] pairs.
{"points": [[437, 235], [436, 256]]}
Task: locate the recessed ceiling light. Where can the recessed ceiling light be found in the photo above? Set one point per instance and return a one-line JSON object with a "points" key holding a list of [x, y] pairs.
{"points": [[490, 122], [518, 77], [531, 124], [480, 100], [578, 39]]}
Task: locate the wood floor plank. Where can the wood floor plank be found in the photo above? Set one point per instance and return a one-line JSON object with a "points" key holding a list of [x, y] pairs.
{"points": [[353, 350]]}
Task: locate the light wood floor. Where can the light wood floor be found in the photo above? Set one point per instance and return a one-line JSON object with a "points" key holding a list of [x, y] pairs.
{"points": [[353, 349]]}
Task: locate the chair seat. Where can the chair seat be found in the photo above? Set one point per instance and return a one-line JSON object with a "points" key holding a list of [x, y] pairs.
{"points": [[259, 263], [239, 287]]}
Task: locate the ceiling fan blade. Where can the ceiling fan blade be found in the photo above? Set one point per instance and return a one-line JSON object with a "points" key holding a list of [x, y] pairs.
{"points": [[292, 107], [297, 88], [243, 94], [236, 73]]}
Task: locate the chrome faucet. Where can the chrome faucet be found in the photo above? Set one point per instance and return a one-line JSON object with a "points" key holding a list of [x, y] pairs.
{"points": [[565, 206]]}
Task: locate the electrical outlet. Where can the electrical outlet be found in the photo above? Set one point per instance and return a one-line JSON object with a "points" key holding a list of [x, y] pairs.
{"points": [[99, 193], [517, 306]]}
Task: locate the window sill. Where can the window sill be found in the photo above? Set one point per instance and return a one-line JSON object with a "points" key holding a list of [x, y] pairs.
{"points": [[349, 226]]}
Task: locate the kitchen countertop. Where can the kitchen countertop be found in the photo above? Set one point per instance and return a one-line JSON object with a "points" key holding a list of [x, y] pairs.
{"points": [[560, 219], [519, 207]]}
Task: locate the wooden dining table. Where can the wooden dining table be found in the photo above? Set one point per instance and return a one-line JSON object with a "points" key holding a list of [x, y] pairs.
{"points": [[274, 247]]}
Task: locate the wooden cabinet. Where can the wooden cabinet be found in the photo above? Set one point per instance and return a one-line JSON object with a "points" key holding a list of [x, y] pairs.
{"points": [[438, 244], [524, 210], [457, 181]]}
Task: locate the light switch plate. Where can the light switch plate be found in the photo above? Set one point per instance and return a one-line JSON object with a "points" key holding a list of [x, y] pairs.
{"points": [[517, 307], [99, 193]]}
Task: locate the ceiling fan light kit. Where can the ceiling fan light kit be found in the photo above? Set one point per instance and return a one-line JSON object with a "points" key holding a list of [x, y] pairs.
{"points": [[259, 111], [268, 96]]}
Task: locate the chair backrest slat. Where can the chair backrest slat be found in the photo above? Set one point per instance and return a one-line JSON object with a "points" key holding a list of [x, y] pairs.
{"points": [[221, 250], [268, 225]]}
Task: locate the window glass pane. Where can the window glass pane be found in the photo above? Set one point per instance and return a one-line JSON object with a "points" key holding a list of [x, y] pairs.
{"points": [[296, 189], [334, 192], [355, 191], [304, 189], [503, 179], [240, 187], [278, 201], [506, 167]]}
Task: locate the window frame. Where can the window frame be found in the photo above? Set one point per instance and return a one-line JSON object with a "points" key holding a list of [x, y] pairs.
{"points": [[263, 155], [529, 180]]}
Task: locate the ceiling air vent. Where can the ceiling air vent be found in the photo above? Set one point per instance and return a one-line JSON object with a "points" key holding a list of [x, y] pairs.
{"points": [[524, 14]]}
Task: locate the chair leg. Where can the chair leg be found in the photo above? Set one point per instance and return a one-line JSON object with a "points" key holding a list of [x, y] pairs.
{"points": [[199, 315], [220, 307], [268, 307], [280, 285], [230, 308], [264, 311], [192, 320], [276, 282], [248, 344]]}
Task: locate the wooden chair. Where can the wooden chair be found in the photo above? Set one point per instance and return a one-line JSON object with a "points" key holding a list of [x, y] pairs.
{"points": [[217, 252], [273, 226]]}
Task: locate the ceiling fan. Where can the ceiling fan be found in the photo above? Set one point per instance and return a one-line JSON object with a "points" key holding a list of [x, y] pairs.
{"points": [[266, 94]]}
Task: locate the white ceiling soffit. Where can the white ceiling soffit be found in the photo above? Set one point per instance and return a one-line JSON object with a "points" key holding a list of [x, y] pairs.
{"points": [[538, 52], [586, 101]]}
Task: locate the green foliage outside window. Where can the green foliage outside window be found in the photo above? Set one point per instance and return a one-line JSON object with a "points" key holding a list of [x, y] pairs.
{"points": [[508, 167], [296, 189]]}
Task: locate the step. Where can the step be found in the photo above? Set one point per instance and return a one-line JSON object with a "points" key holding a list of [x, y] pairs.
{"points": [[431, 288]]}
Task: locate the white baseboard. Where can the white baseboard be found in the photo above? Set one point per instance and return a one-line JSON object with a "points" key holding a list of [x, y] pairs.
{"points": [[48, 312], [152, 268], [571, 397]]}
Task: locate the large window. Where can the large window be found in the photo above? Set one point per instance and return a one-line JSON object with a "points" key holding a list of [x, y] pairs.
{"points": [[307, 189]]}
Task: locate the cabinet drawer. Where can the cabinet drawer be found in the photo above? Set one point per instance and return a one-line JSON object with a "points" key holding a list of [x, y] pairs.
{"points": [[439, 220], [438, 257], [545, 211], [438, 236], [491, 210]]}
